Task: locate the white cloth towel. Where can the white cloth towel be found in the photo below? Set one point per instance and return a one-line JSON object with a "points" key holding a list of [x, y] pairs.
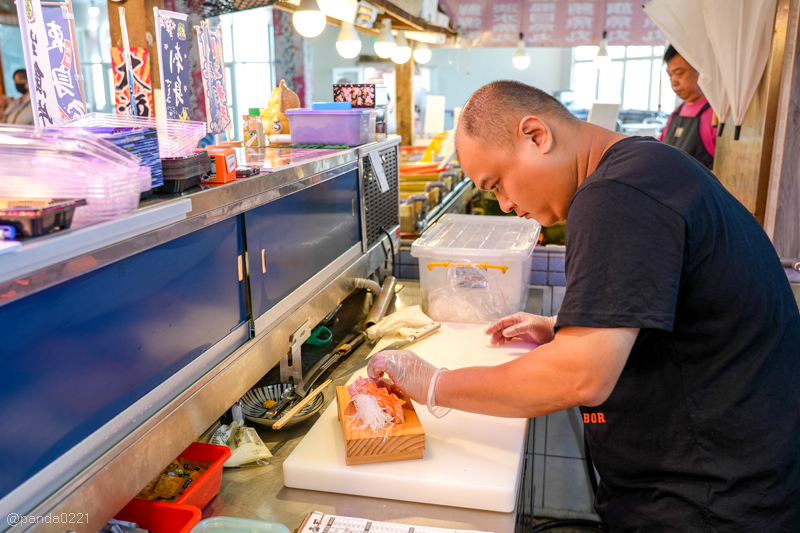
{"points": [[405, 322]]}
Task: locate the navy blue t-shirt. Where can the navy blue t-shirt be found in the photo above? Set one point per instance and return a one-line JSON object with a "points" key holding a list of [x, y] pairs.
{"points": [[702, 430]]}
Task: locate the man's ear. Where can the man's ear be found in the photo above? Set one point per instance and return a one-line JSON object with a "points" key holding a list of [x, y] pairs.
{"points": [[534, 130]]}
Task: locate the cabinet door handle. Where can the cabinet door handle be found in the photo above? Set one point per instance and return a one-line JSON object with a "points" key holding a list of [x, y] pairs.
{"points": [[241, 273], [354, 207], [263, 261]]}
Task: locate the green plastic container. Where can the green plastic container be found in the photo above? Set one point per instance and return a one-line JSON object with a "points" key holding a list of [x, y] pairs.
{"points": [[227, 524]]}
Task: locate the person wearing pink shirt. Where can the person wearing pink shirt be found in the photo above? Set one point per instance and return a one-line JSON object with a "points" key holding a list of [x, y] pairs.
{"points": [[691, 126]]}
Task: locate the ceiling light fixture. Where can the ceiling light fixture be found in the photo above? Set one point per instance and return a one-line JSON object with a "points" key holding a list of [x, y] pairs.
{"points": [[402, 51], [348, 44], [385, 44], [602, 57], [308, 20], [521, 59], [422, 53]]}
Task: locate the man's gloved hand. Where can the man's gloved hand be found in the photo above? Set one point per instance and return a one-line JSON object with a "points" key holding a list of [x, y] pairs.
{"points": [[530, 328], [411, 374]]}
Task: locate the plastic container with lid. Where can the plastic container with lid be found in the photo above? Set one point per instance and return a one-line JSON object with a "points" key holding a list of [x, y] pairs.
{"points": [[225, 524], [329, 126], [504, 244]]}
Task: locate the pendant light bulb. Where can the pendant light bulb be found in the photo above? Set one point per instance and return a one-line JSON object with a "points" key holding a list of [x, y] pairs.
{"points": [[385, 43], [422, 53], [521, 59], [402, 51], [602, 57], [308, 20], [94, 11], [348, 44]]}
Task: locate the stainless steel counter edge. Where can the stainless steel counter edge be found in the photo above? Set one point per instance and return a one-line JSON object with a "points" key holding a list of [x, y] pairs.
{"points": [[107, 485], [208, 207]]}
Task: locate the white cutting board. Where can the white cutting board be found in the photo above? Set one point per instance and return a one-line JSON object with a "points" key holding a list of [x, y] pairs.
{"points": [[470, 460]]}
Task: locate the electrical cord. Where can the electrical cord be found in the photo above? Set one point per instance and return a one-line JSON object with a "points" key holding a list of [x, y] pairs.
{"points": [[391, 247]]}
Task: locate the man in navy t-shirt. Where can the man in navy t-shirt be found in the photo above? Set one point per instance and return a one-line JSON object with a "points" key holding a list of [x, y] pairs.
{"points": [[678, 335]]}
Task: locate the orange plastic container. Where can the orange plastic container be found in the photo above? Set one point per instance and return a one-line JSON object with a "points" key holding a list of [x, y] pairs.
{"points": [[161, 517], [207, 486], [225, 161]]}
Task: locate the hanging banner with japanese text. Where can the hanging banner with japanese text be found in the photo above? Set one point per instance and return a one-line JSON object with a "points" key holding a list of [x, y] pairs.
{"points": [[173, 62], [64, 62], [627, 24], [212, 66], [561, 23], [142, 83], [44, 100]]}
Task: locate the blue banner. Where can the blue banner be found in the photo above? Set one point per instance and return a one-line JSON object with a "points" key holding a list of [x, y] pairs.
{"points": [[212, 66], [173, 61], [63, 63]]}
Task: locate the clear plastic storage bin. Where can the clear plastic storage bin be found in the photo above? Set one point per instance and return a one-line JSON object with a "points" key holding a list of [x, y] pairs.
{"points": [[309, 126], [496, 241]]}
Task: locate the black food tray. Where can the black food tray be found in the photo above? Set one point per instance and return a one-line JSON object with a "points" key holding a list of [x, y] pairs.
{"points": [[33, 217], [174, 186]]}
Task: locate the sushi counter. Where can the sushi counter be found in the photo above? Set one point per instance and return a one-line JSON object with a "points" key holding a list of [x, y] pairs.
{"points": [[124, 341], [470, 460]]}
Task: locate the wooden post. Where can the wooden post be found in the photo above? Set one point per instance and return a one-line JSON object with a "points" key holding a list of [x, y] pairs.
{"points": [[405, 102], [141, 29]]}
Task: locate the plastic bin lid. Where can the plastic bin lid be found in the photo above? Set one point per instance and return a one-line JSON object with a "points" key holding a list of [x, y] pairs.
{"points": [[477, 237], [356, 111], [226, 524]]}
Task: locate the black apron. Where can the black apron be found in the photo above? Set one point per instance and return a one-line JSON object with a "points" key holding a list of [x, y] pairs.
{"points": [[684, 133]]}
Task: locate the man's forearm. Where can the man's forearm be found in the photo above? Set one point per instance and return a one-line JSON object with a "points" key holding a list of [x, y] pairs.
{"points": [[572, 370]]}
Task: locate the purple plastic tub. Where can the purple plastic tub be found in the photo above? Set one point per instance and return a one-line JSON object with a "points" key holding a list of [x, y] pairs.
{"points": [[349, 127]]}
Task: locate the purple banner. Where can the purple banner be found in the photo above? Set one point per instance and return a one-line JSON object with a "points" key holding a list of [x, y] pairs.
{"points": [[63, 68]]}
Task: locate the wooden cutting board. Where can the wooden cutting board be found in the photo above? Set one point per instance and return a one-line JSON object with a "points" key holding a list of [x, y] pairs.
{"points": [[470, 460], [364, 446]]}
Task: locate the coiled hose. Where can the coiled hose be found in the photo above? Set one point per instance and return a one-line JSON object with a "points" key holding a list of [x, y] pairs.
{"points": [[370, 285]]}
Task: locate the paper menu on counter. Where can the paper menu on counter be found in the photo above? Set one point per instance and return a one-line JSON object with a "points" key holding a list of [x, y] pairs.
{"points": [[327, 523]]}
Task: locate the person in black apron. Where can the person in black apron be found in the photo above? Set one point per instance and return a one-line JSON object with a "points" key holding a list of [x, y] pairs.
{"points": [[689, 128]]}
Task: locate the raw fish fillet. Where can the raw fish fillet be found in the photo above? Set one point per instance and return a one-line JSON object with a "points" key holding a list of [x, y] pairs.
{"points": [[388, 401]]}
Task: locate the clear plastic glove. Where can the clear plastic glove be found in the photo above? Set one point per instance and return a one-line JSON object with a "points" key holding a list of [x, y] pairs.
{"points": [[531, 328], [411, 374]]}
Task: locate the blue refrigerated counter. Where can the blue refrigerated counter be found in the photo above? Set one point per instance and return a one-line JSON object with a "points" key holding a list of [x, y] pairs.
{"points": [[123, 341]]}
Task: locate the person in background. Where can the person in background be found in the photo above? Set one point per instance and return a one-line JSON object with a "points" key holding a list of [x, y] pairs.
{"points": [[18, 111], [691, 126]]}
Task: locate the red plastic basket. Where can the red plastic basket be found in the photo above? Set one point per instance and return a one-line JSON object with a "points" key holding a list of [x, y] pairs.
{"points": [[161, 517], [207, 486]]}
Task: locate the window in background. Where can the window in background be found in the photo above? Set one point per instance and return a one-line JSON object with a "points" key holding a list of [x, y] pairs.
{"points": [[249, 68], [12, 56], [631, 77], [94, 50]]}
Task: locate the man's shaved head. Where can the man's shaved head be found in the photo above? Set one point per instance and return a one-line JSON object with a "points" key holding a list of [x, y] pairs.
{"points": [[493, 112], [525, 147]]}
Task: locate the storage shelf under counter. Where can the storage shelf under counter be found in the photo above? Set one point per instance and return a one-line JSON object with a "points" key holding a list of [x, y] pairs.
{"points": [[127, 339]]}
